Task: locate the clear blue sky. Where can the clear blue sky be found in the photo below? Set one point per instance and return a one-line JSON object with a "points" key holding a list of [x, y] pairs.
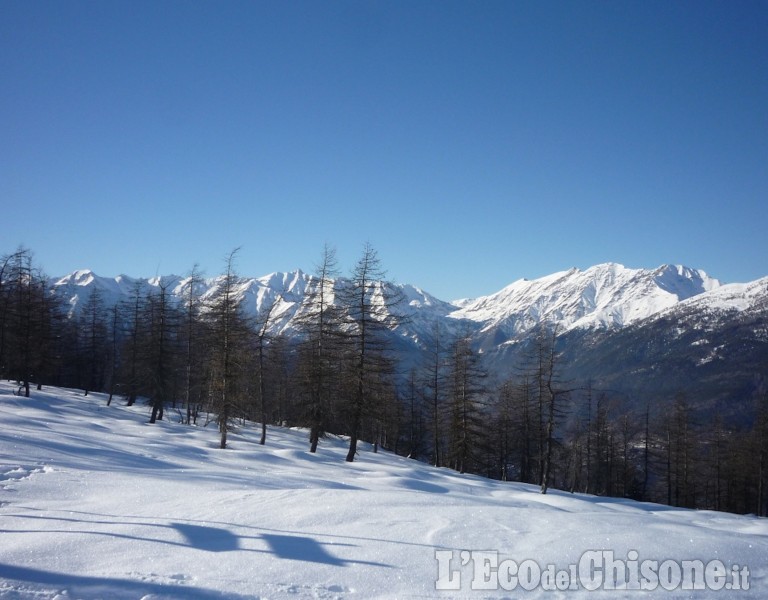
{"points": [[471, 143]]}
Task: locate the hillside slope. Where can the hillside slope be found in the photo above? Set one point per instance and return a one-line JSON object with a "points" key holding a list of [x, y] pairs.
{"points": [[96, 503]]}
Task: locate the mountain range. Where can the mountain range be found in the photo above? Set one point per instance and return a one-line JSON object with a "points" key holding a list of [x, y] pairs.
{"points": [[640, 333]]}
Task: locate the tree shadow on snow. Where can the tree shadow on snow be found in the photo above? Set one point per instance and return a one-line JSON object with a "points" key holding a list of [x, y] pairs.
{"points": [[300, 548], [209, 539], [86, 586], [112, 519], [212, 539]]}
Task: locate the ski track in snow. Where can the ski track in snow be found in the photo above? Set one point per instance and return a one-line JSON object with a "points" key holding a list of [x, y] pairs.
{"points": [[96, 503]]}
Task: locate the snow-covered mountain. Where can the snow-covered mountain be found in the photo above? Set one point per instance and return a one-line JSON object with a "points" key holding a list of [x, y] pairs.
{"points": [[289, 290], [603, 296], [607, 295], [254, 293], [711, 347], [639, 331]]}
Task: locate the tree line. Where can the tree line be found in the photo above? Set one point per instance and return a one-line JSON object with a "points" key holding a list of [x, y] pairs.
{"points": [[204, 359]]}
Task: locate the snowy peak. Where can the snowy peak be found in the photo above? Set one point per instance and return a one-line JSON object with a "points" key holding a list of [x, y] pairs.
{"points": [[606, 295], [684, 282], [417, 299]]}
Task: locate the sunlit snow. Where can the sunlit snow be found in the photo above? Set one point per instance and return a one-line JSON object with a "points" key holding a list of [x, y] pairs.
{"points": [[97, 503]]}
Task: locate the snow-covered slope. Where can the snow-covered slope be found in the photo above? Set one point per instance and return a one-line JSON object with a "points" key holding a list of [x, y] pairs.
{"points": [[95, 503], [607, 295], [731, 297]]}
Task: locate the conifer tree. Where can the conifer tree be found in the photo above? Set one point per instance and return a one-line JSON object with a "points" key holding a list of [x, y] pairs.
{"points": [[465, 397], [320, 322], [162, 350], [228, 344], [192, 339], [369, 305]]}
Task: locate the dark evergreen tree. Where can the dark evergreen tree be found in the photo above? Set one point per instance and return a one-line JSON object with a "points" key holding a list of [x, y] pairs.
{"points": [[11, 276], [115, 331], [229, 333], [28, 321], [434, 390], [320, 369], [551, 396], [130, 372], [93, 319], [465, 398], [264, 321], [369, 304], [162, 350], [192, 340]]}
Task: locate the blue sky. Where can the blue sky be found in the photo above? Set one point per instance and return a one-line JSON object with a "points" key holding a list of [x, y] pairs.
{"points": [[471, 143]]}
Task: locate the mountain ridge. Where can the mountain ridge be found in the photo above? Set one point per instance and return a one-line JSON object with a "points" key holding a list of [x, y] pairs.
{"points": [[605, 295]]}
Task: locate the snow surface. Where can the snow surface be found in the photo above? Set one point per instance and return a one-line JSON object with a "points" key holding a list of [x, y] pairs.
{"points": [[97, 503]]}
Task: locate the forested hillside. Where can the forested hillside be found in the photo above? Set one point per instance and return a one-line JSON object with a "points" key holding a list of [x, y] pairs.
{"points": [[668, 405]]}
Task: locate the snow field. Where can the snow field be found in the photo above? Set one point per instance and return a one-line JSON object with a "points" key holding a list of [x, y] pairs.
{"points": [[97, 503]]}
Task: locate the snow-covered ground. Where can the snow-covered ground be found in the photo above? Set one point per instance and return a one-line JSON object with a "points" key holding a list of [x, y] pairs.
{"points": [[97, 503]]}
